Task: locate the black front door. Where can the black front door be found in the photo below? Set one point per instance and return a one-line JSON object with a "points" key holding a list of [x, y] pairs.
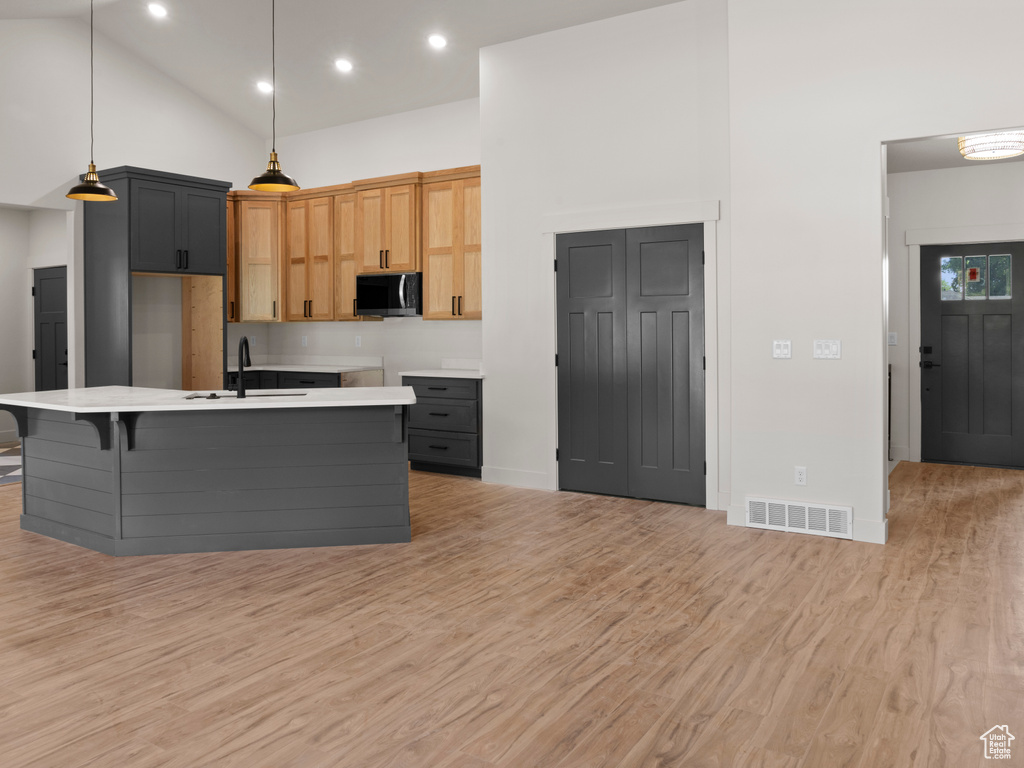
{"points": [[972, 358], [50, 288], [631, 373]]}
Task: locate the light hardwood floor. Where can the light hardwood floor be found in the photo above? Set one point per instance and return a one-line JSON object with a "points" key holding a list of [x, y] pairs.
{"points": [[525, 628]]}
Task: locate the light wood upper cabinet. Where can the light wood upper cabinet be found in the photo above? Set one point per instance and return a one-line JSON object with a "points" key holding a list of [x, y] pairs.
{"points": [[387, 229], [260, 226], [346, 261], [232, 265], [451, 250], [311, 259]]}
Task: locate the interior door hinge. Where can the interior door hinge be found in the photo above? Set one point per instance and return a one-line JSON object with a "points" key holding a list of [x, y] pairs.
{"points": [[33, 354], [704, 363], [556, 361], [556, 265], [33, 290], [705, 467], [556, 454], [702, 257]]}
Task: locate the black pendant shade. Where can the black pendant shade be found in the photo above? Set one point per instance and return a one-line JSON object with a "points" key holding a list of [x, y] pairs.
{"points": [[273, 179], [90, 189]]}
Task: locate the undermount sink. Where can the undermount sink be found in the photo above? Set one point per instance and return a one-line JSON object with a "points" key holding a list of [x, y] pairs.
{"points": [[215, 396]]}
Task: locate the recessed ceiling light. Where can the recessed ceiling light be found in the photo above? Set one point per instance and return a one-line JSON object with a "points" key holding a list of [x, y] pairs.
{"points": [[437, 41], [265, 87], [157, 10], [343, 64]]}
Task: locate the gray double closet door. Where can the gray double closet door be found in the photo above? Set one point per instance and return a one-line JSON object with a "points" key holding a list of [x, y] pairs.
{"points": [[631, 362]]}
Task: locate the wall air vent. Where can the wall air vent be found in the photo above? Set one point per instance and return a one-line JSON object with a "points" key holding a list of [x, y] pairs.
{"points": [[800, 517]]}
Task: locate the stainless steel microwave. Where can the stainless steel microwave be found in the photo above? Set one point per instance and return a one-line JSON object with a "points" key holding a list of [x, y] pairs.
{"points": [[390, 295]]}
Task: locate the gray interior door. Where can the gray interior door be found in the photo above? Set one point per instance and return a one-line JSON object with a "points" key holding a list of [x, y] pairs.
{"points": [[50, 289], [591, 294], [972, 362], [630, 363]]}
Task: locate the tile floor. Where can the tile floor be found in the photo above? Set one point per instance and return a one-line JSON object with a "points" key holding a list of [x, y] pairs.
{"points": [[10, 463]]}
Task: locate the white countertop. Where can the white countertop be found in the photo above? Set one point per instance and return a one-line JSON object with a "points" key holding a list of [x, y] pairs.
{"points": [[137, 399], [445, 373], [232, 367]]}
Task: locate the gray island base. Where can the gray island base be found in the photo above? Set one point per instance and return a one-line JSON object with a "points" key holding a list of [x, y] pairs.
{"points": [[252, 474]]}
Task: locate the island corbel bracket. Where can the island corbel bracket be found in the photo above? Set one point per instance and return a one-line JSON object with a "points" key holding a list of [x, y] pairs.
{"points": [[20, 414], [101, 421]]}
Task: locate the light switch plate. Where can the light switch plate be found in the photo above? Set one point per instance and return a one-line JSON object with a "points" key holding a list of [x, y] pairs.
{"points": [[782, 349], [828, 349], [892, 338]]}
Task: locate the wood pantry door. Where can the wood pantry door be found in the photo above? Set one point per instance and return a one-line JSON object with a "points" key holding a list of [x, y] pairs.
{"points": [[631, 363], [972, 363]]}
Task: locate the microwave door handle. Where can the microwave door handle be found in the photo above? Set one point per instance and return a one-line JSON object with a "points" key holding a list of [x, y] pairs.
{"points": [[401, 292]]}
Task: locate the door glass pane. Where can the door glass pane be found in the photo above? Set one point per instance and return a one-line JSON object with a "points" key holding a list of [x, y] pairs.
{"points": [[951, 274], [999, 276], [975, 277]]}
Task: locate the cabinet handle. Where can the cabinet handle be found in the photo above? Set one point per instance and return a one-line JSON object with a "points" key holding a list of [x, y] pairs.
{"points": [[353, 307], [186, 258], [438, 389], [460, 305], [387, 257], [440, 414], [232, 315], [438, 447], [382, 259], [177, 259], [274, 310], [306, 382], [310, 307], [453, 306]]}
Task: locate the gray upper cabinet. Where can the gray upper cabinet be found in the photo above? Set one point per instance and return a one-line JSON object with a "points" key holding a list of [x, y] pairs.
{"points": [[177, 228]]}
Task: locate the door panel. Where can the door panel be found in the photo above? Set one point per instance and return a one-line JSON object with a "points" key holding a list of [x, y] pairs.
{"points": [[204, 232], [665, 290], [591, 285], [51, 329], [154, 227], [972, 383]]}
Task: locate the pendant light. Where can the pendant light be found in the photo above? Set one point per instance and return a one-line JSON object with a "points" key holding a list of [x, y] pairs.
{"points": [[91, 188], [273, 179], [992, 146]]}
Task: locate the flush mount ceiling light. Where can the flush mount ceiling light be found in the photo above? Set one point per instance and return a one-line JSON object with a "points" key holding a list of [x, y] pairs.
{"points": [[437, 41], [273, 179], [343, 64], [992, 146], [158, 10], [91, 188]]}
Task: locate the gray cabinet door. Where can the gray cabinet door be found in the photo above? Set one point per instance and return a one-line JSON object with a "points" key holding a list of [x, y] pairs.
{"points": [[630, 363], [154, 227], [203, 233], [972, 362]]}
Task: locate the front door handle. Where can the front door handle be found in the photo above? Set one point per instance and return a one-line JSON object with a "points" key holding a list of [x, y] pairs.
{"points": [[929, 364]]}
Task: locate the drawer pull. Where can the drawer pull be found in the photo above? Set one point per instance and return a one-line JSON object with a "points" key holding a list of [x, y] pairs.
{"points": [[306, 382], [438, 447], [440, 414], [437, 389]]}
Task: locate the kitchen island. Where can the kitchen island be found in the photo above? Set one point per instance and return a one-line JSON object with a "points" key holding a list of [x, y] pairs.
{"points": [[137, 471]]}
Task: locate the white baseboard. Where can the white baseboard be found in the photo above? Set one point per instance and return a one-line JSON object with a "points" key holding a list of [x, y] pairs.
{"points": [[517, 477], [8, 435], [871, 531]]}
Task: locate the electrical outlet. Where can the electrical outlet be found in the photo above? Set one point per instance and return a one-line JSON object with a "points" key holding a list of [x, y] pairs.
{"points": [[892, 338], [305, 341], [800, 475], [252, 341], [359, 341]]}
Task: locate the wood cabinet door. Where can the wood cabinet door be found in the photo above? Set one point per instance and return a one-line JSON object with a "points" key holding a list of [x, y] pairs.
{"points": [[295, 260], [259, 254], [370, 230], [401, 246], [231, 310], [345, 257], [440, 293], [320, 259], [472, 250]]}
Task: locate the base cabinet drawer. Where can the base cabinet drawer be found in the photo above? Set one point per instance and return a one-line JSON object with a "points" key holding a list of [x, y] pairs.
{"points": [[444, 448], [462, 389], [454, 415], [291, 380]]}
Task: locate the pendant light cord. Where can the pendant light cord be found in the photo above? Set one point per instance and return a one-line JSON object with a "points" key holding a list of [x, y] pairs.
{"points": [[273, 69], [92, 90]]}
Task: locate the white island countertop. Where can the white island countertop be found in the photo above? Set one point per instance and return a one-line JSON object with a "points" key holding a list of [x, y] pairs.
{"points": [[289, 368], [140, 399]]}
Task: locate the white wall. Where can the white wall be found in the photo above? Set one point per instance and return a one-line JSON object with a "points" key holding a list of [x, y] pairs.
{"points": [[447, 136], [978, 196], [15, 349], [622, 121], [814, 90]]}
